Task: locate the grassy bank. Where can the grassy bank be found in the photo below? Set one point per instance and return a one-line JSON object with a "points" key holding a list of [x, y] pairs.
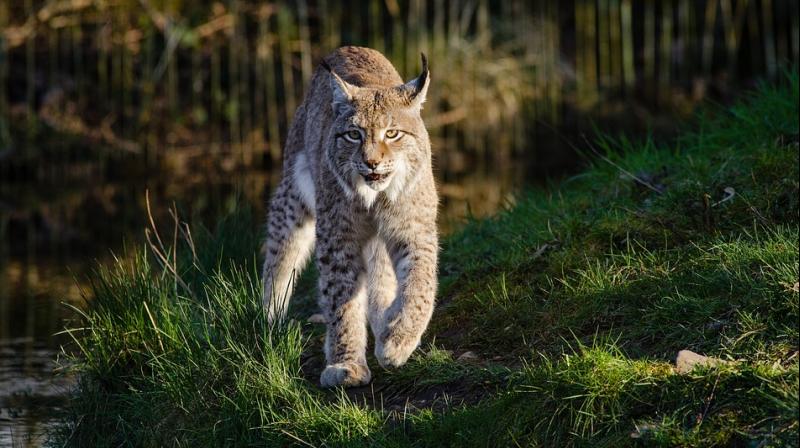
{"points": [[558, 323]]}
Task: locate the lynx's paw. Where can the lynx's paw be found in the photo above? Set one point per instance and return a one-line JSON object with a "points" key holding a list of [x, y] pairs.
{"points": [[345, 374], [393, 351]]}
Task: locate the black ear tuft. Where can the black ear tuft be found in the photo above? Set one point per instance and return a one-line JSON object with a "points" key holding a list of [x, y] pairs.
{"points": [[416, 90], [422, 79]]}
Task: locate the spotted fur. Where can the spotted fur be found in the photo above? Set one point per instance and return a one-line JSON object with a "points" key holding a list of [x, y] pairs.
{"points": [[358, 185]]}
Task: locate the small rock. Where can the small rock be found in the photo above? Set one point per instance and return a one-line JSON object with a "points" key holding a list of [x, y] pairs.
{"points": [[688, 360], [316, 319], [468, 356]]}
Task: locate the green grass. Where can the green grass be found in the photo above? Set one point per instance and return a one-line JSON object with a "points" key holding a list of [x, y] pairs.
{"points": [[575, 302]]}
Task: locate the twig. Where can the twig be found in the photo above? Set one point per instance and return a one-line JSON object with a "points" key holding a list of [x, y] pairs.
{"points": [[160, 251], [708, 401], [173, 39], [611, 162], [162, 259], [295, 437], [186, 233], [597, 153], [150, 217], [165, 24], [729, 194], [174, 237]]}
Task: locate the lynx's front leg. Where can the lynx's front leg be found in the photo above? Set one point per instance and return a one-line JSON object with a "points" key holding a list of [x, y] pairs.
{"points": [[343, 301], [407, 318]]}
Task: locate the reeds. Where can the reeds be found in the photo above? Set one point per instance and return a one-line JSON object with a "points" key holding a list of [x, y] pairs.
{"points": [[5, 136], [227, 77]]}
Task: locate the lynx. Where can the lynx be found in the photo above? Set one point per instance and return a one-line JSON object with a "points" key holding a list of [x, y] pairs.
{"points": [[357, 183]]}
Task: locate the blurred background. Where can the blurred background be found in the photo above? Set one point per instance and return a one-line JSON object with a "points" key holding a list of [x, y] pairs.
{"points": [[101, 100]]}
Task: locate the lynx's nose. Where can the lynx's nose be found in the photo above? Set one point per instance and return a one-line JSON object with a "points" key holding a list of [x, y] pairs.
{"points": [[372, 163]]}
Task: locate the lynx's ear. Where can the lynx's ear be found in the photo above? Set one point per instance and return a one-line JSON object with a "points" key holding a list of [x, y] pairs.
{"points": [[416, 90], [342, 91]]}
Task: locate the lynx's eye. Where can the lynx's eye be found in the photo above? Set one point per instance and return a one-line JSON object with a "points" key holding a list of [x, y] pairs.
{"points": [[354, 136], [392, 134]]}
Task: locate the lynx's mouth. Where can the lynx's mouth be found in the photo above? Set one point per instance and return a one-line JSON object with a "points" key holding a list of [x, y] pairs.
{"points": [[375, 177], [376, 181]]}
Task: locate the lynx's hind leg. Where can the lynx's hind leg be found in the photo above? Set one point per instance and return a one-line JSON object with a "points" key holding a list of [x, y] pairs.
{"points": [[290, 240]]}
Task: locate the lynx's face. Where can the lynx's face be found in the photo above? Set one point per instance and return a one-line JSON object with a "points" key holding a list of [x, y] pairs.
{"points": [[379, 138], [376, 142]]}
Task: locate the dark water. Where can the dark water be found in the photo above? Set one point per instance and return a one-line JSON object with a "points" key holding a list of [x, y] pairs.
{"points": [[31, 312]]}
